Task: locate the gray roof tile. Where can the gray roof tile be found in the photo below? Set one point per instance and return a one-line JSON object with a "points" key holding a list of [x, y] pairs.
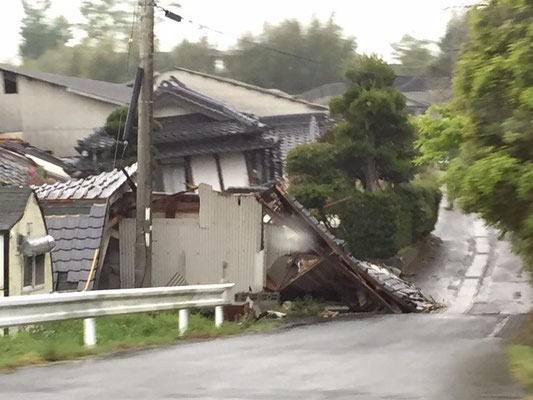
{"points": [[13, 202]]}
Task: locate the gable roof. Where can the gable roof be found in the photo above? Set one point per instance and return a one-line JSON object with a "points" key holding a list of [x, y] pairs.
{"points": [[114, 93], [206, 105], [13, 202], [250, 98]]}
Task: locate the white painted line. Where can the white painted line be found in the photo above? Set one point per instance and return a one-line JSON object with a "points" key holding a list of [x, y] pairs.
{"points": [[477, 268], [480, 230], [499, 327], [482, 245]]}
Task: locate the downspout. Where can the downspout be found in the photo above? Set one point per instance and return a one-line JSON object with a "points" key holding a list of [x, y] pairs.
{"points": [[5, 237]]}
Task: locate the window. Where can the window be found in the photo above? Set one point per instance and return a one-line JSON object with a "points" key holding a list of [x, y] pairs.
{"points": [[10, 83], [34, 270]]}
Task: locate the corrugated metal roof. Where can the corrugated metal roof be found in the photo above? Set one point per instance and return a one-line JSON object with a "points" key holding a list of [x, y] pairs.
{"points": [[99, 186], [77, 237], [13, 202], [106, 91]]}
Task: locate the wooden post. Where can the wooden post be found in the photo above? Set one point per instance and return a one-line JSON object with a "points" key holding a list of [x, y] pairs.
{"points": [[143, 228]]}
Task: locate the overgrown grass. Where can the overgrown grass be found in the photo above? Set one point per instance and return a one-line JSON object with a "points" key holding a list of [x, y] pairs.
{"points": [[520, 356], [64, 340]]}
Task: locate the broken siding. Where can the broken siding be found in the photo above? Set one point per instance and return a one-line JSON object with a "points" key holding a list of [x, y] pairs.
{"points": [[227, 231]]}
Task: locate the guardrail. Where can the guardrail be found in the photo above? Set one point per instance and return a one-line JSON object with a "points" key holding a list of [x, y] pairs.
{"points": [[24, 310]]}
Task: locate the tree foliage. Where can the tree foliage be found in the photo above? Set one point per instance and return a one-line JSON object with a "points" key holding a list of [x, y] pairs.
{"points": [[320, 50], [493, 173], [198, 56], [450, 46], [359, 171], [414, 54], [40, 34], [440, 133]]}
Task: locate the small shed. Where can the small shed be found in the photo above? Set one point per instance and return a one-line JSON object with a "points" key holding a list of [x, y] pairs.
{"points": [[25, 262]]}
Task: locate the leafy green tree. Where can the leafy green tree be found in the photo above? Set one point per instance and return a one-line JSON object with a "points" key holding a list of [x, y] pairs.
{"points": [[450, 45], [38, 33], [371, 145], [374, 140], [306, 56], [493, 174], [414, 54], [440, 134], [107, 20], [199, 56]]}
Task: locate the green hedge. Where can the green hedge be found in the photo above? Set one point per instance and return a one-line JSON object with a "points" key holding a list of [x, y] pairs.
{"points": [[378, 225]]}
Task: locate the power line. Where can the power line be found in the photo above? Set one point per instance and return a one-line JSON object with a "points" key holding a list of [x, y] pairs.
{"points": [[178, 18]]}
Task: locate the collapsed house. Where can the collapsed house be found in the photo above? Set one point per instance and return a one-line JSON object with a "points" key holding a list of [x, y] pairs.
{"points": [[260, 240]]}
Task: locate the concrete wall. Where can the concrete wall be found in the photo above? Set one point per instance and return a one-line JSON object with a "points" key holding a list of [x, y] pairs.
{"points": [[50, 117], [238, 96], [32, 215]]}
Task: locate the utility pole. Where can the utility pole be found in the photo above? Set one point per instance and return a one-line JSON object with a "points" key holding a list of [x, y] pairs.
{"points": [[143, 226]]}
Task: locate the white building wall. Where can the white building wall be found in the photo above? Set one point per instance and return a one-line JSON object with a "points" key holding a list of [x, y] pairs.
{"points": [[204, 170], [49, 116], [234, 171]]}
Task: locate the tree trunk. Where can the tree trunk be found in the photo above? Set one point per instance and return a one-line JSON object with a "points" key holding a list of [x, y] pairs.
{"points": [[371, 176]]}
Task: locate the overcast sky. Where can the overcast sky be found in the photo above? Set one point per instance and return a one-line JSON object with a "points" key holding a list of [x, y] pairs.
{"points": [[374, 23]]}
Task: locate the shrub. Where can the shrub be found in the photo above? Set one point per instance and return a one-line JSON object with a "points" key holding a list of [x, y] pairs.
{"points": [[377, 225]]}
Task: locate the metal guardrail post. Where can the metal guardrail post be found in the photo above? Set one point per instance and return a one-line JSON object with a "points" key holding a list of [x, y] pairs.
{"points": [[219, 316], [89, 332], [183, 321]]}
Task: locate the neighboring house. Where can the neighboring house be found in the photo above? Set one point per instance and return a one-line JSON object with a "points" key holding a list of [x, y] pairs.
{"points": [[25, 264], [53, 112], [420, 92], [76, 213], [204, 140], [21, 164]]}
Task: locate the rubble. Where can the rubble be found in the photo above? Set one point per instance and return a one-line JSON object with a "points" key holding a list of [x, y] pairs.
{"points": [[329, 270]]}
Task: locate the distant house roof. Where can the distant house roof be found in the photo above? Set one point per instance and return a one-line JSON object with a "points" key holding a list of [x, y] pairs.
{"points": [[250, 98], [202, 103], [114, 93], [100, 186], [77, 228], [13, 202]]}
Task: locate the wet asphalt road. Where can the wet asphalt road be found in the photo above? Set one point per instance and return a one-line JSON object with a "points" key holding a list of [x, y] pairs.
{"points": [[449, 355], [383, 357]]}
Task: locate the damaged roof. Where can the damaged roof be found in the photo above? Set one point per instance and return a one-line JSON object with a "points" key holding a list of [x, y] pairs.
{"points": [[14, 168], [77, 228], [387, 289], [100, 186]]}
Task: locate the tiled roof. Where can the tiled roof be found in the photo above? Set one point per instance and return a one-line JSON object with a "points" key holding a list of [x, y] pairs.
{"points": [[217, 146], [13, 202], [204, 104], [99, 186], [97, 140], [174, 131], [115, 93], [77, 236], [292, 130], [14, 168]]}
